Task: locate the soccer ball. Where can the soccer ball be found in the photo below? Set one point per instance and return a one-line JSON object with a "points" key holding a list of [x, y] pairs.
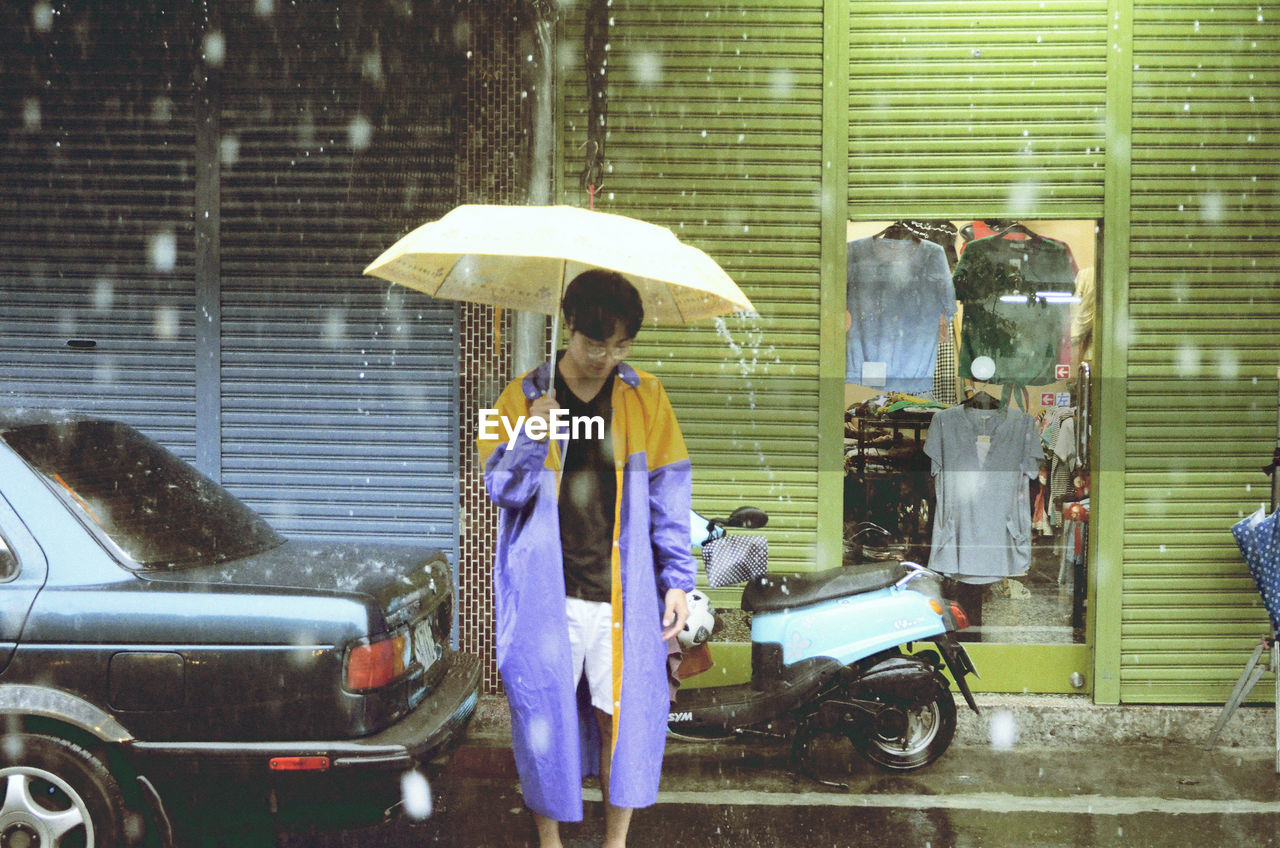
{"points": [[699, 624]]}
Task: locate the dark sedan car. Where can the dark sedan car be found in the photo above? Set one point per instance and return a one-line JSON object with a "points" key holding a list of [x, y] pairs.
{"points": [[153, 628]]}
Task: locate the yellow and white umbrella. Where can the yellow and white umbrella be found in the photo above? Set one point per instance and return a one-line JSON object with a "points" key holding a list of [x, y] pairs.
{"points": [[522, 257]]}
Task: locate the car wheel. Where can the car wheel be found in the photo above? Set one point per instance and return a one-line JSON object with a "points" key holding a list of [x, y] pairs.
{"points": [[55, 794]]}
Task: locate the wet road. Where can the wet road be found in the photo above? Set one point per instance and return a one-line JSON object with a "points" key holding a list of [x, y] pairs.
{"points": [[739, 794]]}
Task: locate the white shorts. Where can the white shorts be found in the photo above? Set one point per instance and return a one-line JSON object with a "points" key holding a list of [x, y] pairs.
{"points": [[591, 644]]}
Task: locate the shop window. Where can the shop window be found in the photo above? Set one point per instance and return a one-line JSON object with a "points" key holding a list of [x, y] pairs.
{"points": [[966, 416]]}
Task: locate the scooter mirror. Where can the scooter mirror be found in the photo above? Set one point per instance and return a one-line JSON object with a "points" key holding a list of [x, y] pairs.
{"points": [[749, 517]]}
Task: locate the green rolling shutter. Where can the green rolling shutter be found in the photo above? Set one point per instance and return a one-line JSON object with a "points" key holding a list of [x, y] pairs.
{"points": [[989, 108], [715, 130], [1204, 341]]}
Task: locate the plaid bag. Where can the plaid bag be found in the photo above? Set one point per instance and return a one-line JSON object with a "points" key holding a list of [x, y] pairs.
{"points": [[735, 559]]}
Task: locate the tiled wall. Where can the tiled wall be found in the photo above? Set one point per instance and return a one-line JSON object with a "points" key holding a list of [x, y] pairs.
{"points": [[493, 132]]}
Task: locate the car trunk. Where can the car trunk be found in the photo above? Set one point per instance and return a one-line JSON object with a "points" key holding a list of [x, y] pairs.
{"points": [[402, 590], [403, 581]]}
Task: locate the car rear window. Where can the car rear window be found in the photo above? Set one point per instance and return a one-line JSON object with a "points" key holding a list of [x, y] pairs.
{"points": [[154, 509]]}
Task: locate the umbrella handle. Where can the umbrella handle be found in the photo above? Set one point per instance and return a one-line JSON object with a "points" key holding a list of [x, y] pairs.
{"points": [[1275, 463], [551, 384], [551, 369]]}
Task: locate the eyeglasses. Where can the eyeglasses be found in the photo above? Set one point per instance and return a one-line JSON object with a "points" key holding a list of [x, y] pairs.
{"points": [[597, 351]]}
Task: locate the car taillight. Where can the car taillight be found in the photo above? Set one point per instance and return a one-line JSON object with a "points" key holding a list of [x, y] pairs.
{"points": [[299, 764], [374, 664]]}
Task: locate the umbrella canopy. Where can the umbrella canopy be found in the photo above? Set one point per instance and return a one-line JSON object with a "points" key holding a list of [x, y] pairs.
{"points": [[522, 257], [1258, 538]]}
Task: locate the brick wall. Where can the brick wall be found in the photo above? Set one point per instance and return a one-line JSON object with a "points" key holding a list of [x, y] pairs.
{"points": [[491, 172]]}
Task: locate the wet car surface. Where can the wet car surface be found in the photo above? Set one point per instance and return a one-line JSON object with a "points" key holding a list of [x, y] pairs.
{"points": [[155, 633]]}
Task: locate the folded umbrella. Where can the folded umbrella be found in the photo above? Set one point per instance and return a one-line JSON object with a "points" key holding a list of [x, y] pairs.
{"points": [[1258, 538]]}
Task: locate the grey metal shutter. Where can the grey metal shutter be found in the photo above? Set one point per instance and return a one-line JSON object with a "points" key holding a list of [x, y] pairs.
{"points": [[1204, 337], [715, 130], [96, 209], [987, 108], [339, 392]]}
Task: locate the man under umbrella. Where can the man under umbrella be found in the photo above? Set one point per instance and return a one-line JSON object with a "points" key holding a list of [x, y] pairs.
{"points": [[593, 562]]}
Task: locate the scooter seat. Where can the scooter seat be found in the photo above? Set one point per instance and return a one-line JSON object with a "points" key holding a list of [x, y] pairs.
{"points": [[776, 592]]}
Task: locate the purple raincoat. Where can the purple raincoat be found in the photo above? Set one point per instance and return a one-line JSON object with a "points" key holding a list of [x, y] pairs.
{"points": [[555, 737]]}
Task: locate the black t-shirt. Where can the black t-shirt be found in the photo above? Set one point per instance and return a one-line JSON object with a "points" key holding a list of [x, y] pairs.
{"points": [[588, 492]]}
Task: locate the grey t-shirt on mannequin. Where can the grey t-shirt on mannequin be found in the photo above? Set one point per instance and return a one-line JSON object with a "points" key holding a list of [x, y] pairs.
{"points": [[982, 460]]}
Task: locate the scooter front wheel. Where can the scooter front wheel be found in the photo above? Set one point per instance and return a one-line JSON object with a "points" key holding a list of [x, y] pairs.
{"points": [[910, 735]]}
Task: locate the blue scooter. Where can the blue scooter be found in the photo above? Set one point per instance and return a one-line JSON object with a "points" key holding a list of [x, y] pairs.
{"points": [[831, 652]]}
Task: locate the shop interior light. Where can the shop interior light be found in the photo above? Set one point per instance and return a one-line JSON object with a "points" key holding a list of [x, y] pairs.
{"points": [[1040, 297], [1057, 297]]}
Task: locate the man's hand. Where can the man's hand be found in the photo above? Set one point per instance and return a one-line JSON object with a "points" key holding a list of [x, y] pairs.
{"points": [[543, 407], [673, 617]]}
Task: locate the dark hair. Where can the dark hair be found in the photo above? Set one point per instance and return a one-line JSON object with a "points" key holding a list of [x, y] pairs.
{"points": [[596, 302]]}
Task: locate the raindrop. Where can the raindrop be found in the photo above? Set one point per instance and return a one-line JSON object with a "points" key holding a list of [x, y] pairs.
{"points": [[104, 372], [162, 110], [371, 67], [42, 16], [1189, 360], [647, 68], [539, 735], [1023, 197], [1003, 730], [214, 47], [781, 83], [360, 133], [166, 322], [1213, 208], [415, 792], [31, 118], [162, 250], [104, 293], [334, 331], [1228, 365], [229, 150]]}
